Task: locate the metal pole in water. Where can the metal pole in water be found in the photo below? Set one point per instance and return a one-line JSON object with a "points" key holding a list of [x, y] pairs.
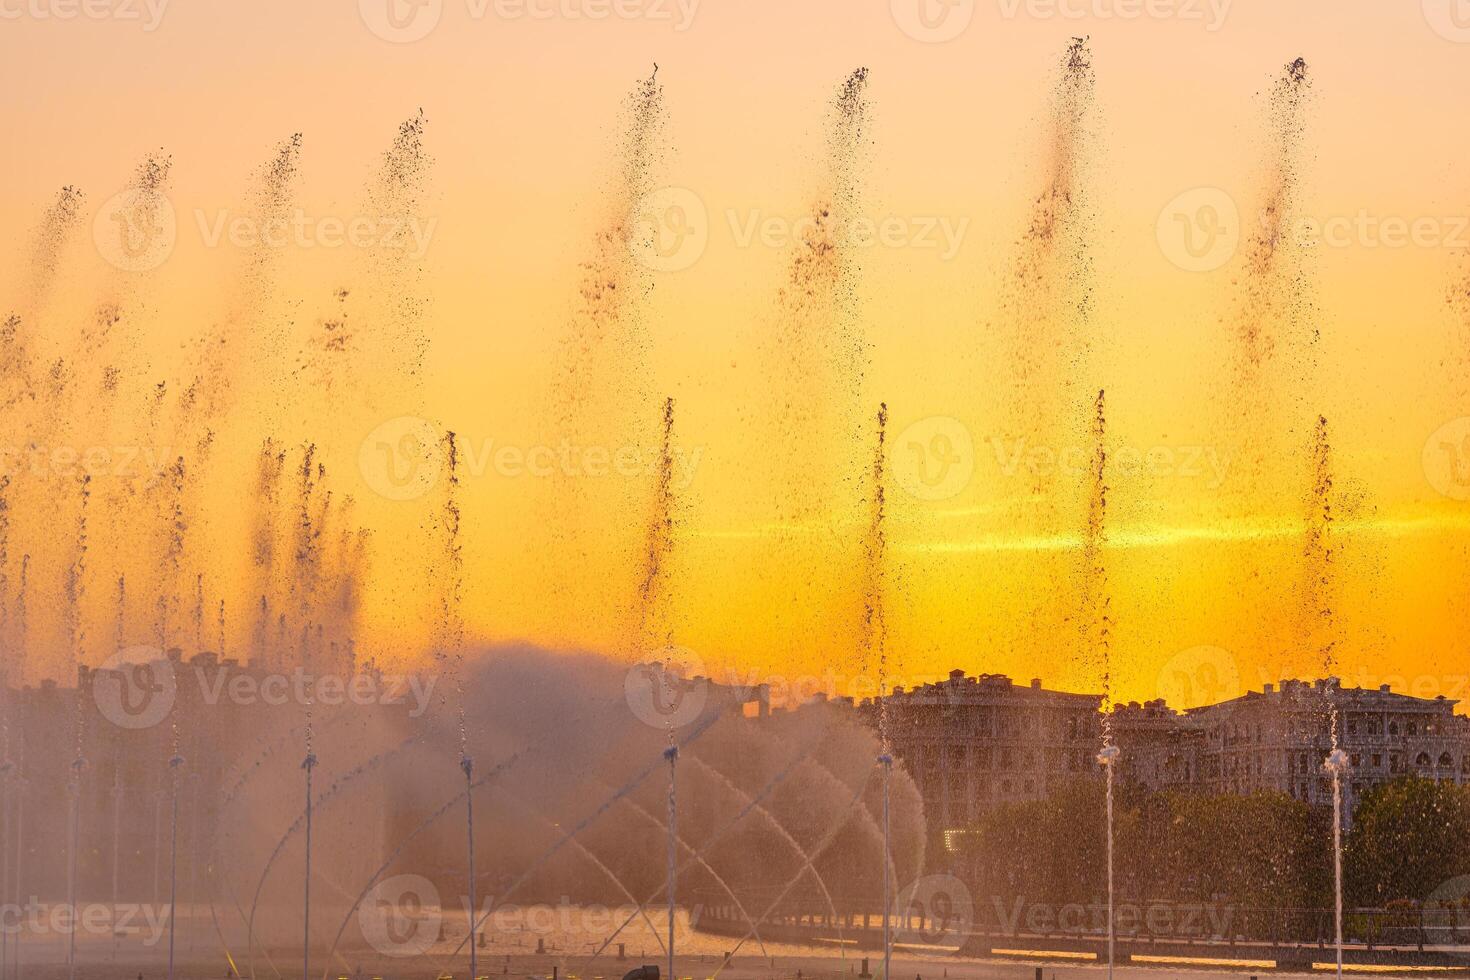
{"points": [[1107, 757], [73, 833], [887, 762], [117, 796], [5, 866], [309, 764], [672, 754], [20, 833], [157, 842], [1337, 763], [173, 865], [468, 765]]}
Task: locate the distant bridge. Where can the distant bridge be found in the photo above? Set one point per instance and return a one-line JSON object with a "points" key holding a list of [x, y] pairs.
{"points": [[1263, 939]]}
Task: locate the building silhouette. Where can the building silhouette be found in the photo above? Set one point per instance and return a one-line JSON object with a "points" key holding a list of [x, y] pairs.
{"points": [[973, 742]]}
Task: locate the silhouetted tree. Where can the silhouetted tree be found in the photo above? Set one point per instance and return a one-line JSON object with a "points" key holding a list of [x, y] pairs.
{"points": [[1408, 839]]}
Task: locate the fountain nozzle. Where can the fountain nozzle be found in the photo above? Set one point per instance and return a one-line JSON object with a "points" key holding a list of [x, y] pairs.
{"points": [[467, 764], [885, 760], [1337, 762], [1108, 755], [309, 763], [175, 762], [671, 753]]}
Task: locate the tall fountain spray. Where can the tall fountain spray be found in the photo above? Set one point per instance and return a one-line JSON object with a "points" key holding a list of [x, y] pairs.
{"points": [[450, 654], [76, 580], [655, 630], [874, 649], [1097, 629], [1320, 558]]}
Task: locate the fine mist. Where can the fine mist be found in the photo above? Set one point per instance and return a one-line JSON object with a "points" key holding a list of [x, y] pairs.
{"points": [[560, 749]]}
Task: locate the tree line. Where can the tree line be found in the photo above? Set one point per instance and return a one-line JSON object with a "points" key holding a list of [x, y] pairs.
{"points": [[1406, 847]]}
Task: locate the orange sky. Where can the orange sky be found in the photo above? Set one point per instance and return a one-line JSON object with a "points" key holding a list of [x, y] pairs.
{"points": [[522, 108]]}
